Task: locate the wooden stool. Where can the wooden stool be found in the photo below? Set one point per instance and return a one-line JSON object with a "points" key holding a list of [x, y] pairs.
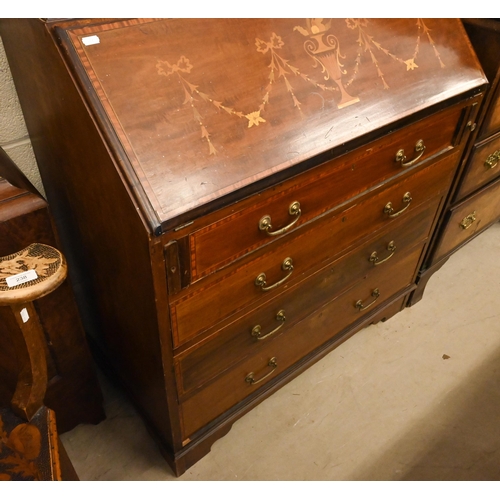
{"points": [[30, 446]]}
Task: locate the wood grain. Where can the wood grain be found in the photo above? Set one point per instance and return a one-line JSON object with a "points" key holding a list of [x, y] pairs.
{"points": [[160, 141], [178, 90]]}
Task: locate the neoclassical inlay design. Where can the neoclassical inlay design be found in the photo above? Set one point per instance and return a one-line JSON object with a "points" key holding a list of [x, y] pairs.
{"points": [[324, 49]]}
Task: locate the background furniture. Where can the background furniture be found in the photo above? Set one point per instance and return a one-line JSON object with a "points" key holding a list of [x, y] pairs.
{"points": [[73, 390], [249, 193], [474, 200], [30, 448]]}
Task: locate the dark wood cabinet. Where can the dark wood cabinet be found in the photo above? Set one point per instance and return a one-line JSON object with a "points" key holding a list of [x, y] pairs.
{"points": [[73, 390], [473, 203], [239, 196]]}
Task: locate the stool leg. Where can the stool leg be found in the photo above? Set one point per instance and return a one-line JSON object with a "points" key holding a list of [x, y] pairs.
{"points": [[32, 381]]}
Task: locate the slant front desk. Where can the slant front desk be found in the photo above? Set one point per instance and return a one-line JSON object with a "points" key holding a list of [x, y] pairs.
{"points": [[240, 195]]}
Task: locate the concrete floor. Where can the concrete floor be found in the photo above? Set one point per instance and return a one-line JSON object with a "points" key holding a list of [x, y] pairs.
{"points": [[416, 398]]}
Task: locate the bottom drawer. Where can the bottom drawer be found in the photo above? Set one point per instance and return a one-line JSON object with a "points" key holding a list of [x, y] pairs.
{"points": [[469, 218], [254, 372]]}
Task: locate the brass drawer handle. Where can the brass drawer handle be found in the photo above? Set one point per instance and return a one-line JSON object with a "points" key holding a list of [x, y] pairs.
{"points": [[467, 221], [492, 160], [249, 379], [257, 329], [391, 247], [260, 280], [401, 158], [359, 304], [265, 222], [389, 209]]}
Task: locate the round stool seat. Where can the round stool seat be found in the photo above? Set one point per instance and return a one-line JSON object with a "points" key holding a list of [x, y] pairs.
{"points": [[30, 274]]}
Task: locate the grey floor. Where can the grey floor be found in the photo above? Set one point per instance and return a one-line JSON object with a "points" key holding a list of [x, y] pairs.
{"points": [[416, 398]]}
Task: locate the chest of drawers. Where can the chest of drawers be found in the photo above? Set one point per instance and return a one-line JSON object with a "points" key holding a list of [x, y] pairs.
{"points": [[474, 200], [240, 196]]}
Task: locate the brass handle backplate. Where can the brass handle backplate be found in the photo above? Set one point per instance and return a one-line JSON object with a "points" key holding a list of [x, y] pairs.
{"points": [[401, 158], [389, 209], [374, 258], [359, 304], [467, 221], [249, 379], [260, 280], [265, 222], [493, 159], [257, 329]]}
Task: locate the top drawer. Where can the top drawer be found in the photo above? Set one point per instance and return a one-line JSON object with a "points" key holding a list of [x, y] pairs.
{"points": [[283, 208], [484, 166]]}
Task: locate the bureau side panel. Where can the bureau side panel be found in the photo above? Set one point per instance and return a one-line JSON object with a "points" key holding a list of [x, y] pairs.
{"points": [[104, 237]]}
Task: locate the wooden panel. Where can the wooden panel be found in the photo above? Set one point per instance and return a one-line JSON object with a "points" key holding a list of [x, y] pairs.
{"points": [[301, 339], [229, 346], [204, 306], [8, 191], [485, 37], [484, 166], [203, 107], [110, 261], [469, 218], [159, 143], [319, 190], [73, 390], [15, 205], [492, 123]]}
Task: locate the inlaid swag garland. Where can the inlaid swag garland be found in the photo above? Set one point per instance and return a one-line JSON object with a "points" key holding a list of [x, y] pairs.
{"points": [[322, 47]]}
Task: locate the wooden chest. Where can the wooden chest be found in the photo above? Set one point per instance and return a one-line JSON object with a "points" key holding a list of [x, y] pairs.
{"points": [[240, 195], [473, 203]]}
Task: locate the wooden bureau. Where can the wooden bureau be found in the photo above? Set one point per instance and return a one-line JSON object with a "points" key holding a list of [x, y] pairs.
{"points": [[239, 196]]}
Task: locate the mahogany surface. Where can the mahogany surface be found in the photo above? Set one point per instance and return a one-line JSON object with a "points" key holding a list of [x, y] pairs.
{"points": [[190, 310], [484, 35], [476, 174], [163, 144], [190, 140], [469, 218], [472, 204], [225, 348], [333, 184]]}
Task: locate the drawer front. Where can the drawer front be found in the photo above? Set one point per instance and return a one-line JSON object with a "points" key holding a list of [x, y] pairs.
{"points": [[278, 211], [202, 307], [280, 354], [244, 337], [492, 122], [469, 218], [484, 166]]}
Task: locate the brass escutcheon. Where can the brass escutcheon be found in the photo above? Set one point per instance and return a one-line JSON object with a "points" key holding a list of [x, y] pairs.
{"points": [[257, 329], [467, 221], [492, 160], [401, 158], [249, 379], [265, 222], [391, 247], [260, 280]]}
